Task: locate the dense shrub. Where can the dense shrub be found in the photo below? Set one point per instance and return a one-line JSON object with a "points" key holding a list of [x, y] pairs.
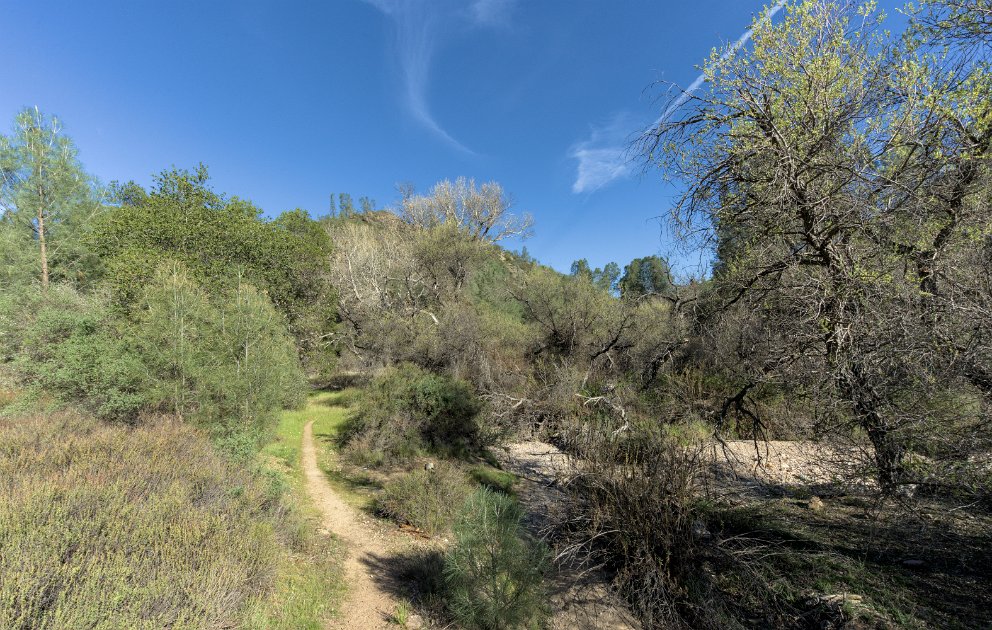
{"points": [[493, 573], [428, 499], [407, 410], [75, 351], [99, 527], [225, 363], [228, 364], [222, 242]]}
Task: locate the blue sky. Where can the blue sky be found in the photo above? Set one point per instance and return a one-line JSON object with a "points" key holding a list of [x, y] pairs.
{"points": [[287, 102]]}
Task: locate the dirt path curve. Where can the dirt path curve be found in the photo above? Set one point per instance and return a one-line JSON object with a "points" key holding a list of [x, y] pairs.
{"points": [[366, 605]]}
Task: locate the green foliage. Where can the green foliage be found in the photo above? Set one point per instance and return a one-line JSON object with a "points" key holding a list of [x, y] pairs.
{"points": [[104, 526], [494, 479], [18, 258], [426, 499], [47, 200], [866, 301], [494, 571], [225, 363], [572, 315], [407, 410], [645, 276], [71, 348], [605, 279], [223, 243]]}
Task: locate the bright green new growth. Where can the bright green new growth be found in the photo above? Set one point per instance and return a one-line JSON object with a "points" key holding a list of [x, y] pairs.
{"points": [[494, 571]]}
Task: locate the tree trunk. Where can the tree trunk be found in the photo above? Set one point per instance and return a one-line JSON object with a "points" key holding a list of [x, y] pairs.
{"points": [[888, 456], [44, 251], [889, 452]]}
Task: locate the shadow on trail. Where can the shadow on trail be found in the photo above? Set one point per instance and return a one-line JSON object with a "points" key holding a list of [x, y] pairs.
{"points": [[415, 575]]}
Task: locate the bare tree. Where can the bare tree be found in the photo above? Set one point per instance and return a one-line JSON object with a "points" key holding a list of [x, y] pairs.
{"points": [[482, 212]]}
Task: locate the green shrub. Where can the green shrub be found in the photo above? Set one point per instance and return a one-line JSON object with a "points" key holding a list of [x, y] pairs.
{"points": [[428, 499], [148, 527], [224, 362], [71, 347], [494, 571], [494, 479], [407, 410]]}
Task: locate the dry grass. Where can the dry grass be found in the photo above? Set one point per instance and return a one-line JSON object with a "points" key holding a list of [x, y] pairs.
{"points": [[426, 499], [105, 526]]}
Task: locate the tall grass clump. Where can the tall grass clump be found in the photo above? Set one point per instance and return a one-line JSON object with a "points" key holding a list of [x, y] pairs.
{"points": [[406, 411], [427, 499], [494, 571], [148, 527]]}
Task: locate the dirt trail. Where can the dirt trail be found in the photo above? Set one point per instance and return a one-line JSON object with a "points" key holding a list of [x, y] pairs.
{"points": [[367, 603]]}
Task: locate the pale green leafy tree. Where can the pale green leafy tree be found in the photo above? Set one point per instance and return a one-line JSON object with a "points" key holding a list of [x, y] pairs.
{"points": [[44, 198], [840, 177]]}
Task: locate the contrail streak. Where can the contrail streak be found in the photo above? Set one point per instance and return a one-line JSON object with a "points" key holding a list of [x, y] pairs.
{"points": [[741, 41]]}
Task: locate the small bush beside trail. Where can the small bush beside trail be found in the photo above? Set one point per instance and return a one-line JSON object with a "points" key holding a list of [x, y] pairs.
{"points": [[633, 510], [493, 574], [406, 411], [427, 499]]}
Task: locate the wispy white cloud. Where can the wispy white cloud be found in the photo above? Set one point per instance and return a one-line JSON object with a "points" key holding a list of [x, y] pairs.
{"points": [[599, 167], [602, 157], [420, 25], [491, 12]]}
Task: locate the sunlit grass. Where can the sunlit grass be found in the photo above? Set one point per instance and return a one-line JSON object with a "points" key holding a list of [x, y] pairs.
{"points": [[305, 593], [328, 415], [149, 527], [330, 411]]}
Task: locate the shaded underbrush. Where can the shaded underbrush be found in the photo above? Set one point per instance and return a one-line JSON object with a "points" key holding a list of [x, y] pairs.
{"points": [[638, 507]]}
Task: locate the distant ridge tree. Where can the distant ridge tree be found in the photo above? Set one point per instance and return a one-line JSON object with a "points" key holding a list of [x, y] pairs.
{"points": [[605, 279], [645, 276]]}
